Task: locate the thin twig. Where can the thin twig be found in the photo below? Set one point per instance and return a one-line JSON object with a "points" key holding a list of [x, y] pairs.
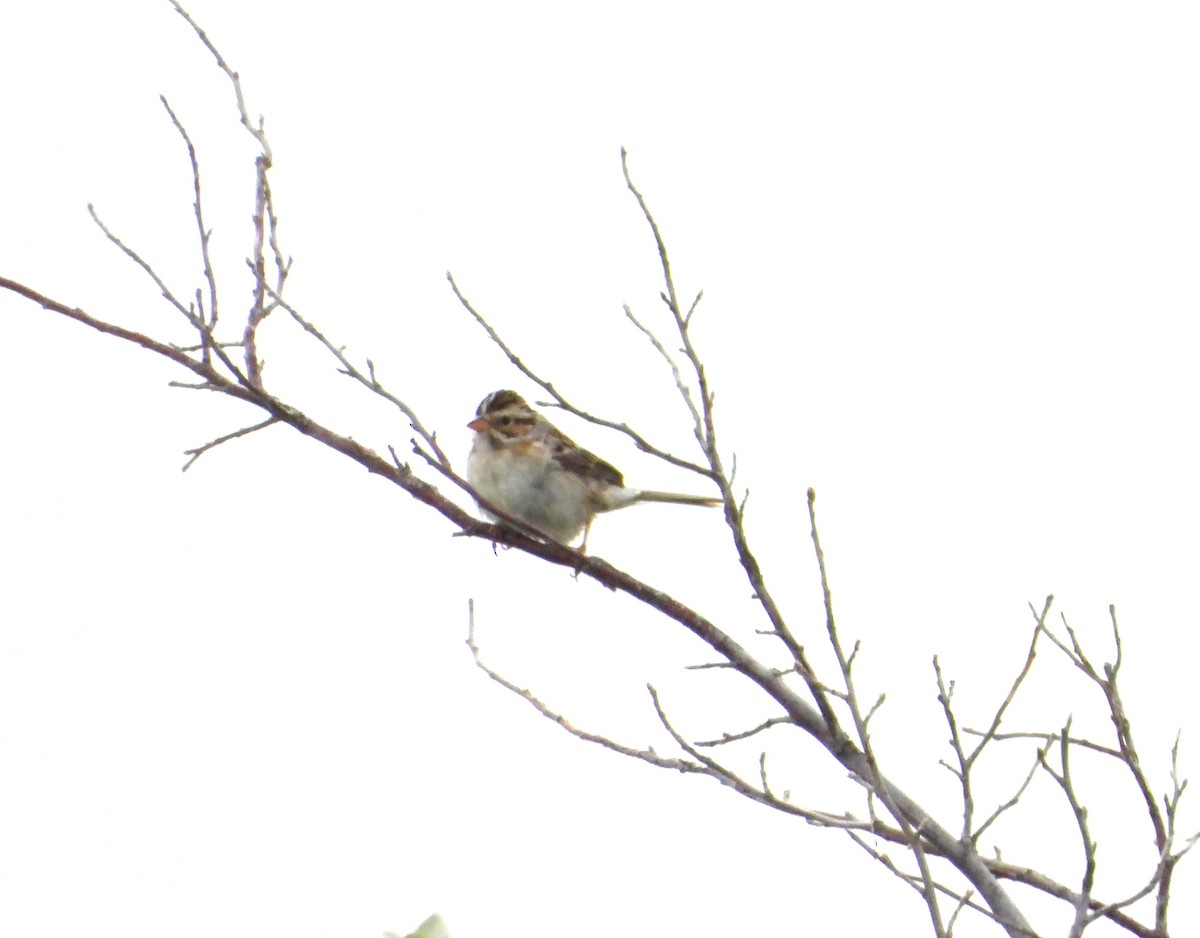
{"points": [[560, 401], [1127, 750], [210, 321], [759, 793], [188, 313], [911, 826], [367, 380], [991, 731], [262, 209], [963, 772], [914, 880], [256, 131], [1011, 802], [1067, 785], [213, 444], [1049, 738], [684, 391], [644, 755], [745, 734], [706, 435]]}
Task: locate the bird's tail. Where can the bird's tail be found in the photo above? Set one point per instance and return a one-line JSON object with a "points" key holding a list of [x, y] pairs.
{"points": [[677, 499], [634, 496]]}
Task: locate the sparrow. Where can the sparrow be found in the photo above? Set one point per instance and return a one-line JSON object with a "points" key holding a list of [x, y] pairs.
{"points": [[526, 467]]}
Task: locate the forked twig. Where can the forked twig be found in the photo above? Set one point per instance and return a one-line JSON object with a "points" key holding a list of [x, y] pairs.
{"points": [[213, 444], [560, 401], [210, 321]]}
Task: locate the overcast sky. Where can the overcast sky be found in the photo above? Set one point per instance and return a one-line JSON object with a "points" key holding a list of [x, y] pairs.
{"points": [[950, 258]]}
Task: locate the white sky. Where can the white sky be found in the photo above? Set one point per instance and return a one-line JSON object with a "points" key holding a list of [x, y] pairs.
{"points": [[949, 254]]}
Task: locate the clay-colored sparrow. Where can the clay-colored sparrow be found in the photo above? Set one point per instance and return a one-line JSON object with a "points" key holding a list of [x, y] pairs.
{"points": [[527, 468]]}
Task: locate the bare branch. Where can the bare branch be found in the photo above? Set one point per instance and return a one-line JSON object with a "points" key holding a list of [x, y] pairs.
{"points": [[188, 313], [213, 444], [1049, 738], [368, 380], [990, 733], [264, 220], [1039, 755], [963, 772], [560, 401], [258, 264], [644, 755], [1043, 883], [210, 322], [684, 391], [256, 131], [745, 734], [913, 826], [964, 902], [761, 795], [1089, 847], [914, 880], [197, 323], [1126, 751]]}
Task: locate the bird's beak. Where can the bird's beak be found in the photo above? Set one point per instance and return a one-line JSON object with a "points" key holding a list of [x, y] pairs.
{"points": [[479, 424]]}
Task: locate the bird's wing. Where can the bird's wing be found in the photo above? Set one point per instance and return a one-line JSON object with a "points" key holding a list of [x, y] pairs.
{"points": [[578, 460]]}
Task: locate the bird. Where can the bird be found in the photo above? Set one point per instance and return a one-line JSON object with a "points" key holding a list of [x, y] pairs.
{"points": [[526, 467]]}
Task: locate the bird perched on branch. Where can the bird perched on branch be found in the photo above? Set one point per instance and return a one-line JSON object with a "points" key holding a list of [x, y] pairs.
{"points": [[527, 468]]}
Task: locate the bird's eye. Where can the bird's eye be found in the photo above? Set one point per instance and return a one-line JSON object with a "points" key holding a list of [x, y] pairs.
{"points": [[504, 421]]}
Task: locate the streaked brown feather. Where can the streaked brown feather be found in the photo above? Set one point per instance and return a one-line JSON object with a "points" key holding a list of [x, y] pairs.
{"points": [[498, 400], [579, 460]]}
